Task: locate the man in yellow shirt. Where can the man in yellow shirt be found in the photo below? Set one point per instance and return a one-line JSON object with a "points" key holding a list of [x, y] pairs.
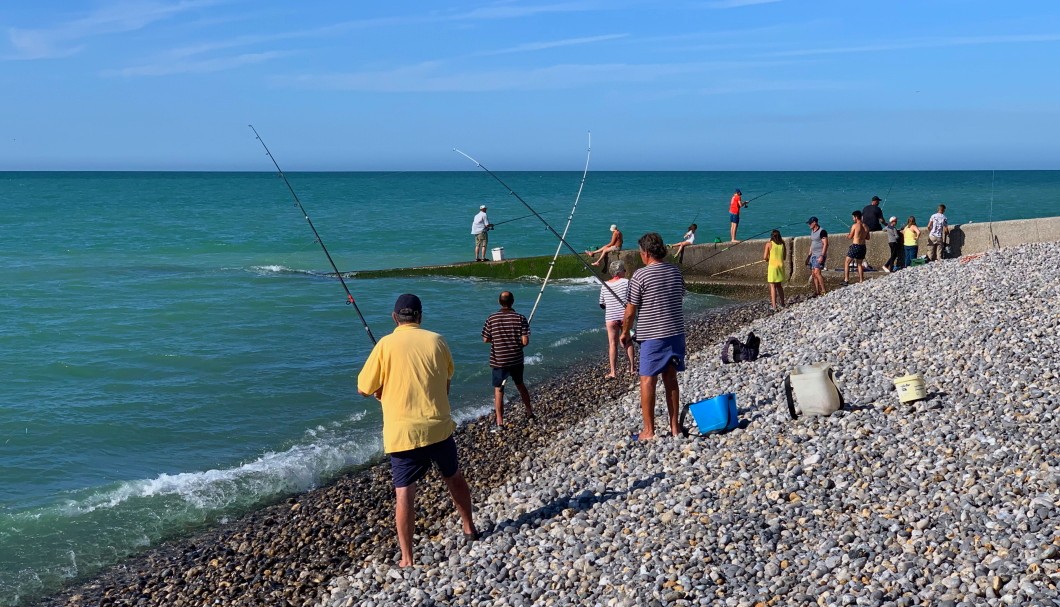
{"points": [[409, 371]]}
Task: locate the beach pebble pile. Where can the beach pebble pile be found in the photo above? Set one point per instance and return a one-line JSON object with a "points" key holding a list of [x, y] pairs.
{"points": [[289, 553], [951, 500]]}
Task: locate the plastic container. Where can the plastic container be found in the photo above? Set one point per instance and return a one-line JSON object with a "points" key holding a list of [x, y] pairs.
{"points": [[910, 388], [813, 387], [718, 414], [498, 253]]}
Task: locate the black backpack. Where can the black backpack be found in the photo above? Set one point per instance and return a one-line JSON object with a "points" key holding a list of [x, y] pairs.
{"points": [[740, 351]]}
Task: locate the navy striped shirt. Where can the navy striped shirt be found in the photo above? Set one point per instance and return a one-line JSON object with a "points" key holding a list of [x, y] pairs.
{"points": [[658, 291], [504, 329]]}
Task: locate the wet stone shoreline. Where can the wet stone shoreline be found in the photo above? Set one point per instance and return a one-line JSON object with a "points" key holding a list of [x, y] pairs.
{"points": [[289, 553]]}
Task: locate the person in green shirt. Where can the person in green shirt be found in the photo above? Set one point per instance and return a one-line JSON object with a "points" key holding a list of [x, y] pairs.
{"points": [[410, 371]]}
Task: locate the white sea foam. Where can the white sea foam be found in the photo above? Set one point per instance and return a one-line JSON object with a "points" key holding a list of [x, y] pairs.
{"points": [[533, 359], [297, 469]]}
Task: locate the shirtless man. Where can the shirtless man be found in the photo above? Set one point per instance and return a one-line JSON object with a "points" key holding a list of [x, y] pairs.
{"points": [[859, 235], [614, 245]]}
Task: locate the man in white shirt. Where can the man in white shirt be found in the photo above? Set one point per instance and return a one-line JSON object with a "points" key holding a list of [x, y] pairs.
{"points": [[480, 228]]}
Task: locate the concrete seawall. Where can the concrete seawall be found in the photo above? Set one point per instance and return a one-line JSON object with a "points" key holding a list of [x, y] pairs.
{"points": [[738, 270], [742, 262]]}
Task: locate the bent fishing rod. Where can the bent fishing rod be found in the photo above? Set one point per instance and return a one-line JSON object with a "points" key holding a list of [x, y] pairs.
{"points": [[562, 240], [298, 203], [559, 247]]}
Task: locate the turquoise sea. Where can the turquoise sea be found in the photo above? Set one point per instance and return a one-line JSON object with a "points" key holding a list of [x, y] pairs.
{"points": [[174, 356]]}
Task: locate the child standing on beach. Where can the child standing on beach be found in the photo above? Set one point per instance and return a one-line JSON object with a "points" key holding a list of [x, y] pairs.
{"points": [[774, 255]]}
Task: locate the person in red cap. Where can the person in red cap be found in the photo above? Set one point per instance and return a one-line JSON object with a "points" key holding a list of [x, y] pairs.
{"points": [[735, 205], [409, 371]]}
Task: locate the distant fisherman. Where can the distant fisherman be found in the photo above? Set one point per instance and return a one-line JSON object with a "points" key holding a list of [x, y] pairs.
{"points": [[409, 371], [735, 205], [872, 215], [507, 332], [480, 227]]}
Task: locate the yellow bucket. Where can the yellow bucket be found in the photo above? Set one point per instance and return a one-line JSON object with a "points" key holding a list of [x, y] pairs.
{"points": [[910, 388]]}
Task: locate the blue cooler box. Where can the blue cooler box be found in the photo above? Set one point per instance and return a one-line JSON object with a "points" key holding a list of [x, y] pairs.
{"points": [[716, 414]]}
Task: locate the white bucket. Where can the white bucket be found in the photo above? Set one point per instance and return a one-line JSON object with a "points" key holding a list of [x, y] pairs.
{"points": [[910, 388], [498, 254], [814, 388]]}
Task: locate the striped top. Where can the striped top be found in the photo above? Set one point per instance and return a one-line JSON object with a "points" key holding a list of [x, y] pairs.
{"points": [[614, 309], [658, 291], [504, 329]]}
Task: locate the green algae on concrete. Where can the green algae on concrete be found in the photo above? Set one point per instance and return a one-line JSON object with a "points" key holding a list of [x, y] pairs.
{"points": [[567, 266]]}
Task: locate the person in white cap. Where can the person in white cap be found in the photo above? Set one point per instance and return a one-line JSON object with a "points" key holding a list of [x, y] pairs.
{"points": [[892, 241], [614, 245], [480, 227]]}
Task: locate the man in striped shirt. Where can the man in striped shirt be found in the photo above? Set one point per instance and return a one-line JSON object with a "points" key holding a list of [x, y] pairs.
{"points": [[656, 298], [507, 332]]}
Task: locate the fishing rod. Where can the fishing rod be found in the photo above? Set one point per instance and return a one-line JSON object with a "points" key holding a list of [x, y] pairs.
{"points": [[752, 237], [298, 203], [562, 240], [747, 202], [570, 218], [500, 223]]}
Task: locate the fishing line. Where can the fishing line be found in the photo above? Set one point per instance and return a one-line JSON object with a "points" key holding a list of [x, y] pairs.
{"points": [[298, 203], [500, 223], [993, 238], [562, 241], [752, 237], [570, 218]]}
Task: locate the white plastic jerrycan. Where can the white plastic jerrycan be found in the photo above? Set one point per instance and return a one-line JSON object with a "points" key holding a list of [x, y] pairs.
{"points": [[814, 390]]}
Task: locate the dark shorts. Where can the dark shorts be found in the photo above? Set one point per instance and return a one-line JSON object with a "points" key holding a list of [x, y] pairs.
{"points": [[502, 373], [816, 262], [734, 218], [657, 354], [407, 467], [856, 251]]}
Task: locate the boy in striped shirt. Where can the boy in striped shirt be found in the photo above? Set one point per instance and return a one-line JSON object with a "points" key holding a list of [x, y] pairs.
{"points": [[507, 332]]}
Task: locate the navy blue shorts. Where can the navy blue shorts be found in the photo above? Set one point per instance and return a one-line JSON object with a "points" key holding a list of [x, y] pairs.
{"points": [[657, 354], [407, 467], [734, 218], [502, 373]]}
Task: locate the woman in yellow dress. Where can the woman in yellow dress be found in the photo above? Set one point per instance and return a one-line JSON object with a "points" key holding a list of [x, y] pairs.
{"points": [[774, 255]]}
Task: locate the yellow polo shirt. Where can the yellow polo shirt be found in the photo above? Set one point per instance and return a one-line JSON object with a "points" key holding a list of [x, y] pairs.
{"points": [[413, 366]]}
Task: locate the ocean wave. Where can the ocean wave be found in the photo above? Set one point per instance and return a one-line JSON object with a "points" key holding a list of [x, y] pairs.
{"points": [[533, 359], [297, 469]]}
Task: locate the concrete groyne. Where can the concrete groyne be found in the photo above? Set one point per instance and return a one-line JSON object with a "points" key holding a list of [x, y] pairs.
{"points": [[737, 269]]}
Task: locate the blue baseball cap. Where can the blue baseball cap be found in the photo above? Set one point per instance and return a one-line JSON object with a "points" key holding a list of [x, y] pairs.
{"points": [[811, 221]]}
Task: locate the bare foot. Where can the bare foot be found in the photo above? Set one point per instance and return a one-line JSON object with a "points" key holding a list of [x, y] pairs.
{"points": [[403, 564], [611, 376]]}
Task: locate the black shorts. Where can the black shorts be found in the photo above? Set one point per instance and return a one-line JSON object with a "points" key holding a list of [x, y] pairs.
{"points": [[407, 467], [856, 251], [502, 373]]}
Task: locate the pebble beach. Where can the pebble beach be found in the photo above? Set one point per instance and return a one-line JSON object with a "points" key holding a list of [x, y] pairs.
{"points": [[950, 500]]}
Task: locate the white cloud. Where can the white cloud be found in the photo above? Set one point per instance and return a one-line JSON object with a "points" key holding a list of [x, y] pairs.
{"points": [[921, 43], [539, 46], [428, 77], [203, 66], [66, 39], [722, 4]]}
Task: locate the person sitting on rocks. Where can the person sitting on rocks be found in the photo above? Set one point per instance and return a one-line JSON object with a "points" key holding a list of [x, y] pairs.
{"points": [[689, 238], [614, 245]]}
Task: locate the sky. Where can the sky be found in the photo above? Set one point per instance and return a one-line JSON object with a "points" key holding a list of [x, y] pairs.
{"points": [[704, 85]]}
